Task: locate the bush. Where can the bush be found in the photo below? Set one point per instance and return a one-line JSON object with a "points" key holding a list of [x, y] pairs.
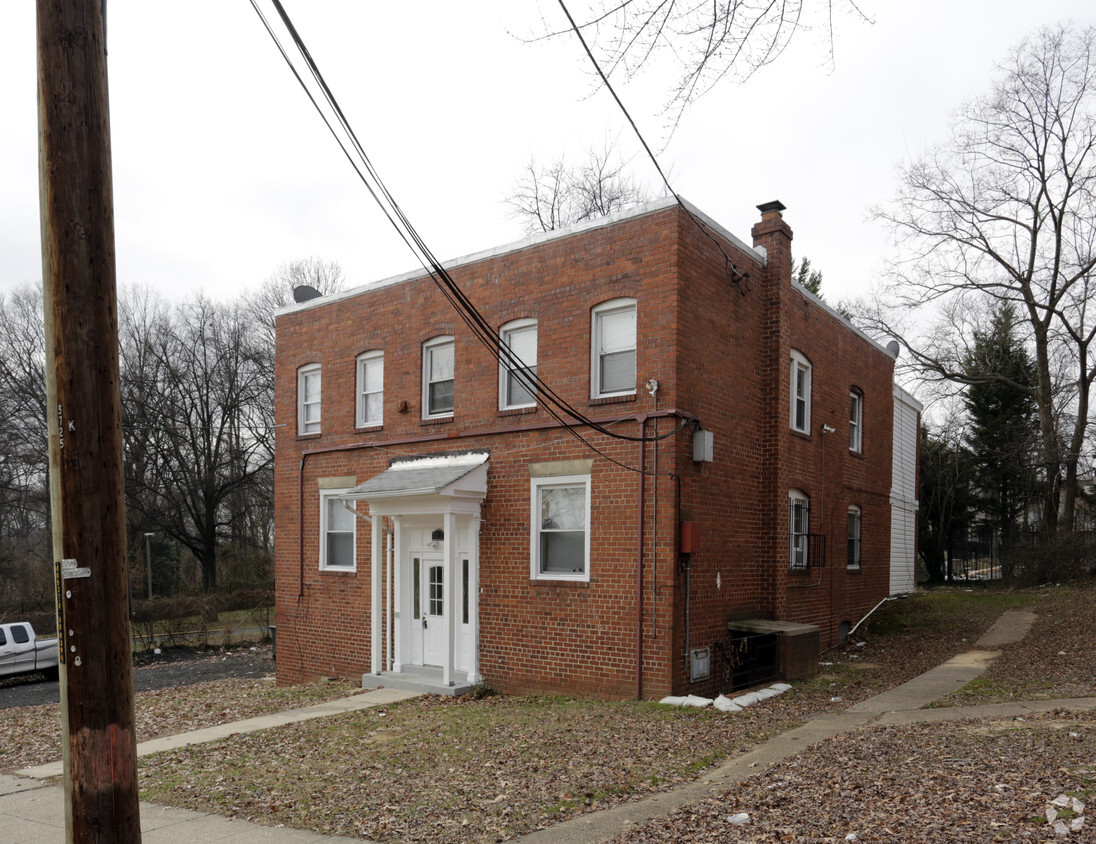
{"points": [[1065, 557]]}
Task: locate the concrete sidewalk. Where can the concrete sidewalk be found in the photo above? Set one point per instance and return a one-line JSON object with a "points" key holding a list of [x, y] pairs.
{"points": [[32, 812]]}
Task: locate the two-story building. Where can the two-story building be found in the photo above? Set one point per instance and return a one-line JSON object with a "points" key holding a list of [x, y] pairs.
{"points": [[728, 465]]}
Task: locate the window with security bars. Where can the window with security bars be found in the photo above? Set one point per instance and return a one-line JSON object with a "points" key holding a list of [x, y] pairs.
{"points": [[798, 530]]}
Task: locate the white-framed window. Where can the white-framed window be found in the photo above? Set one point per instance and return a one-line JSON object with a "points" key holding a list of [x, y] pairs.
{"points": [[370, 411], [338, 531], [438, 371], [516, 388], [853, 558], [613, 350], [800, 393], [856, 420], [308, 399], [559, 539], [798, 529]]}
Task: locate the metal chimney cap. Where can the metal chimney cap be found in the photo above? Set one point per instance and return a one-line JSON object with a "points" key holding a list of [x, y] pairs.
{"points": [[776, 205]]}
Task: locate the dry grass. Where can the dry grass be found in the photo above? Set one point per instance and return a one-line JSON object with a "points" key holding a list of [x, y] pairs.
{"points": [[32, 735], [483, 770]]}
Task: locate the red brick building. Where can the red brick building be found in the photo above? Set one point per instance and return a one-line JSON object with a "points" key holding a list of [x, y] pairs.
{"points": [[436, 523]]}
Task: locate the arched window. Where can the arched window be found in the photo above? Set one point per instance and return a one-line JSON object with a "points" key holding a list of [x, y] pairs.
{"points": [[370, 411], [613, 349], [800, 393], [438, 377], [308, 399], [516, 388]]}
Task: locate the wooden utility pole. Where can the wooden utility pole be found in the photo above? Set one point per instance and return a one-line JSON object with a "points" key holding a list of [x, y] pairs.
{"points": [[85, 430]]}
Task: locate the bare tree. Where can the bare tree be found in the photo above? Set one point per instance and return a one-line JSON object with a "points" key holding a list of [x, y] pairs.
{"points": [[1005, 213], [708, 42], [198, 406], [562, 194], [25, 545], [276, 291]]}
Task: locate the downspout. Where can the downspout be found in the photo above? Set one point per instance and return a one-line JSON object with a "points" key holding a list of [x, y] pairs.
{"points": [[642, 419]]}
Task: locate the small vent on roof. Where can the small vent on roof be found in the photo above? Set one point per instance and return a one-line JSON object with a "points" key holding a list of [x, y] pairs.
{"points": [[305, 293]]}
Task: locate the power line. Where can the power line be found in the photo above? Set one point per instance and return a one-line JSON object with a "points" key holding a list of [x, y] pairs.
{"points": [[737, 275], [554, 404]]}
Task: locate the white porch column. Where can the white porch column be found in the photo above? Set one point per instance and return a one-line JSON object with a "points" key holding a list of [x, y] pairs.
{"points": [[473, 601], [398, 638], [449, 633], [376, 564]]}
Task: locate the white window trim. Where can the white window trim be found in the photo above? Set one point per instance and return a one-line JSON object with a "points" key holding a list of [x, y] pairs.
{"points": [[427, 347], [363, 362], [800, 363], [535, 485], [855, 511], [856, 422], [798, 542], [516, 326], [325, 495], [302, 373], [612, 306]]}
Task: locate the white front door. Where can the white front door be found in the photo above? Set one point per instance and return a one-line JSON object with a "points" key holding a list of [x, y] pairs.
{"points": [[429, 594]]}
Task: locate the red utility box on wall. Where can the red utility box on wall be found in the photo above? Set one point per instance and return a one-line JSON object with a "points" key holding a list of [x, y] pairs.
{"points": [[690, 537]]}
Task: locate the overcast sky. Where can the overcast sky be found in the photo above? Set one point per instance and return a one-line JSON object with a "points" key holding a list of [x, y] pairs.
{"points": [[222, 170]]}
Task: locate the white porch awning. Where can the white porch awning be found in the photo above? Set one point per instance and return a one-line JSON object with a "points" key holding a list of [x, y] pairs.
{"points": [[458, 475]]}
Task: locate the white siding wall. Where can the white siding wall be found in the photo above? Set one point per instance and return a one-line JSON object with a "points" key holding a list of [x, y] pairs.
{"points": [[903, 562]]}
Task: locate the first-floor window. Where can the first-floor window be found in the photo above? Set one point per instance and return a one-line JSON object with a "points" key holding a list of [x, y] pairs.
{"points": [[854, 537], [560, 535], [798, 529], [338, 526]]}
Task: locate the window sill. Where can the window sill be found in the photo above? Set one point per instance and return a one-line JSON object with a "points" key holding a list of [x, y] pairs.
{"points": [[314, 436], [612, 399], [853, 569], [799, 571], [379, 426], [803, 435], [561, 582], [517, 411], [338, 571], [437, 420]]}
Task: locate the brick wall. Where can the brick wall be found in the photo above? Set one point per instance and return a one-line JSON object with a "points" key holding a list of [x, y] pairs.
{"points": [[717, 349]]}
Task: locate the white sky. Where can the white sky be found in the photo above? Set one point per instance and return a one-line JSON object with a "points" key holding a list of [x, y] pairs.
{"points": [[222, 170]]}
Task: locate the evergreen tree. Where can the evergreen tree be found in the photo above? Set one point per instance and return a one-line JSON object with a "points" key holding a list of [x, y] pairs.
{"points": [[808, 278], [1004, 425], [945, 496]]}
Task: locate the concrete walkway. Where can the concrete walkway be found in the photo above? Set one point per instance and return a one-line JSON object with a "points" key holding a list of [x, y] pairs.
{"points": [[32, 812]]}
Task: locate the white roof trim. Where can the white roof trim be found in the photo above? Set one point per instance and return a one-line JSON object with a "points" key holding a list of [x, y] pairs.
{"points": [[533, 240]]}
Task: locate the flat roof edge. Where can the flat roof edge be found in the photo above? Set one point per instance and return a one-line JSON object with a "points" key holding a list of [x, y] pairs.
{"points": [[652, 207]]}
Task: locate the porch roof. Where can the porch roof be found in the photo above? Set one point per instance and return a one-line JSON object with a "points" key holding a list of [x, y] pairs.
{"points": [[427, 476]]}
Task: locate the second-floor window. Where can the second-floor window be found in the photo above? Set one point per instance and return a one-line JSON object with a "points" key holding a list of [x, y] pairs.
{"points": [[613, 357], [800, 393], [856, 421], [438, 370], [516, 388], [308, 399], [370, 390]]}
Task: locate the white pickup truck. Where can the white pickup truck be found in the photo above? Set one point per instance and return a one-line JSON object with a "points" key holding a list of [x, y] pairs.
{"points": [[22, 652]]}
